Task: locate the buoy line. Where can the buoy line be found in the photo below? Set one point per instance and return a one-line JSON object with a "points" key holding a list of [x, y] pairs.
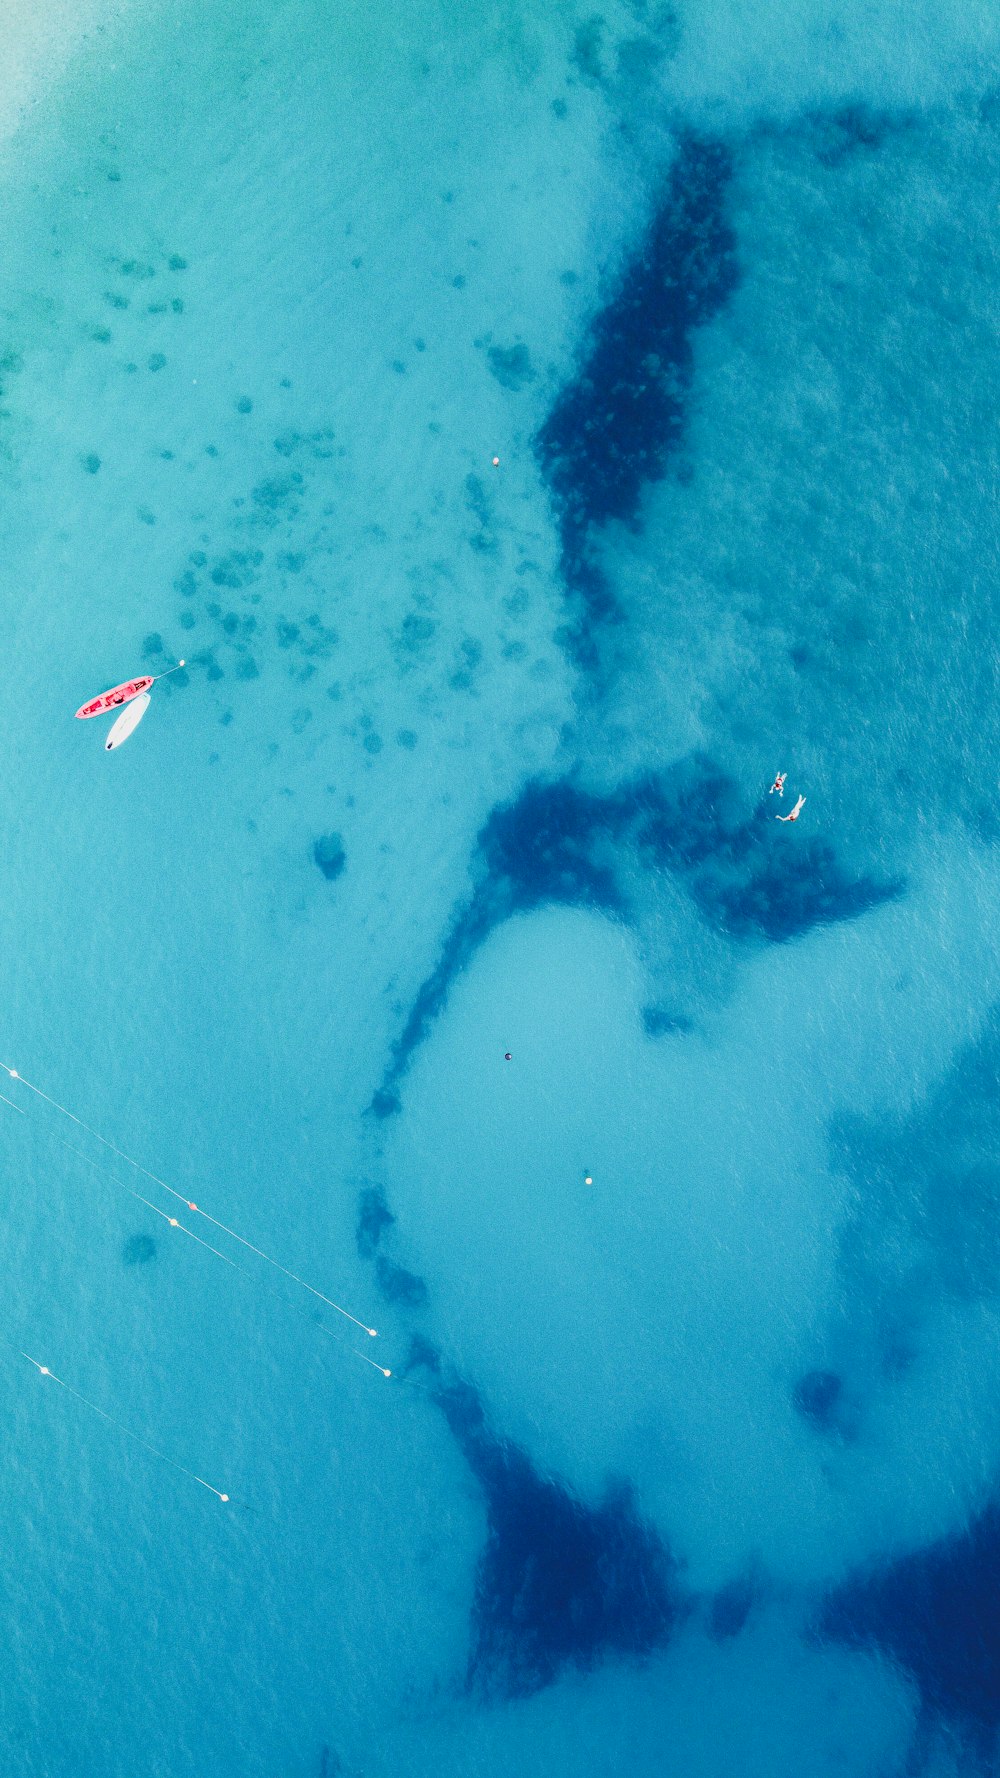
{"points": [[189, 1203], [119, 1425]]}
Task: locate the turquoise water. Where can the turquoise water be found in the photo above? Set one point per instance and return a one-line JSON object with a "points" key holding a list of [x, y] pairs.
{"points": [[688, 1462]]}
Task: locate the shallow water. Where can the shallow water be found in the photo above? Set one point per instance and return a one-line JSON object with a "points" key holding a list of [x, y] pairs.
{"points": [[688, 1460]]}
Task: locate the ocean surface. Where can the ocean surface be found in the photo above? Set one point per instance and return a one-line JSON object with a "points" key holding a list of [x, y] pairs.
{"points": [[535, 427]]}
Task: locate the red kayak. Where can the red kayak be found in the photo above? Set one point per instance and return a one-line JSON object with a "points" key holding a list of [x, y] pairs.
{"points": [[119, 694], [123, 694]]}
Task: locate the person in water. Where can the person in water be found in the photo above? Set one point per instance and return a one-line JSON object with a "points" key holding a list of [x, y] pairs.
{"points": [[779, 784], [793, 814]]}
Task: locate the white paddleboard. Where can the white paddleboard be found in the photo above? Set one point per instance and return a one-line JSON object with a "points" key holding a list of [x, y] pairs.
{"points": [[127, 722]]}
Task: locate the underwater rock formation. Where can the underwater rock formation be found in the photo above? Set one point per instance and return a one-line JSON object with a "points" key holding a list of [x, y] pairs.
{"points": [[559, 1583], [559, 844], [934, 1612]]}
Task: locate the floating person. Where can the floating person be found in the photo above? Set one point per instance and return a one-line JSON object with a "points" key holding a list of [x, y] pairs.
{"points": [[779, 784], [124, 693], [793, 814]]}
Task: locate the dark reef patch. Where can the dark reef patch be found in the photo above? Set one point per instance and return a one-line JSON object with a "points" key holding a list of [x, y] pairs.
{"points": [[741, 873], [730, 1608], [138, 1250], [816, 1397], [511, 366], [935, 1614], [528, 853], [925, 1188], [560, 845], [541, 848], [849, 129], [781, 898], [614, 427], [329, 855], [374, 1218], [586, 55], [660, 1021], [422, 1356], [559, 1584], [399, 1286]]}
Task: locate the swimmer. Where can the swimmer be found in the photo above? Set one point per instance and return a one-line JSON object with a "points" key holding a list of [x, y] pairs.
{"points": [[793, 814], [507, 1056], [779, 784]]}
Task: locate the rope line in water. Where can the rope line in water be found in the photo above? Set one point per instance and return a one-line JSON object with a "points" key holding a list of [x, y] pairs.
{"points": [[126, 1431], [155, 1208], [130, 1161], [175, 1223]]}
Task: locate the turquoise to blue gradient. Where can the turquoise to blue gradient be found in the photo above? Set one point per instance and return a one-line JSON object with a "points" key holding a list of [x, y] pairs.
{"points": [[719, 289]]}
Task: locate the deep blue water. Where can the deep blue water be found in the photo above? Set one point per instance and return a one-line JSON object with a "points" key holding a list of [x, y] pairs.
{"points": [[534, 429]]}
